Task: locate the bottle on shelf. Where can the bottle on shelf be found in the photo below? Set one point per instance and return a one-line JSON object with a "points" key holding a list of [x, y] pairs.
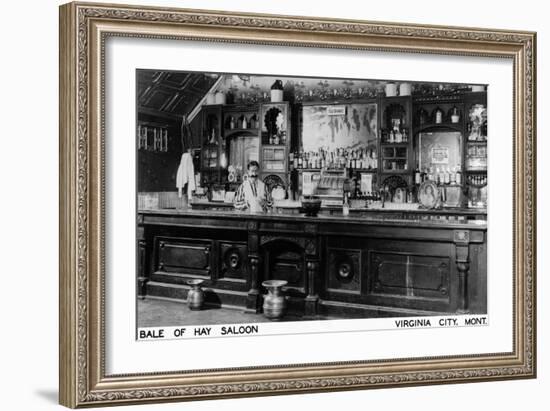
{"points": [[438, 117], [439, 176], [345, 204], [398, 136], [446, 176], [417, 176]]}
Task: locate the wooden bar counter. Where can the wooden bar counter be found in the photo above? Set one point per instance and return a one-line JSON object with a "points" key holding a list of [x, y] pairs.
{"points": [[361, 265]]}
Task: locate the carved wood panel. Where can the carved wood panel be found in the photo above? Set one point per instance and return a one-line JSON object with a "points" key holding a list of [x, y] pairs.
{"points": [[233, 260], [413, 276], [344, 270], [184, 256], [284, 260]]}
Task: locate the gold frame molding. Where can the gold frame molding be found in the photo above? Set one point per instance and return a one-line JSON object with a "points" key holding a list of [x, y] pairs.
{"points": [[83, 30]]}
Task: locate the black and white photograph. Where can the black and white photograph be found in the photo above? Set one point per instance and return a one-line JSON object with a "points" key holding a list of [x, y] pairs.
{"points": [[269, 198], [275, 205]]}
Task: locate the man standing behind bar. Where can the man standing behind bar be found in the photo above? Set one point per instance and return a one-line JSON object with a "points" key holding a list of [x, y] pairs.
{"points": [[252, 194]]}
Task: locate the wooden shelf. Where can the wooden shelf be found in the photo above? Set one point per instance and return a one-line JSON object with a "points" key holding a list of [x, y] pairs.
{"points": [[240, 130], [402, 144], [395, 171], [454, 126]]}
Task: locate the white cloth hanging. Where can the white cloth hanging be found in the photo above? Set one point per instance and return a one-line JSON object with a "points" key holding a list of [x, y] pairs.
{"points": [[186, 174]]}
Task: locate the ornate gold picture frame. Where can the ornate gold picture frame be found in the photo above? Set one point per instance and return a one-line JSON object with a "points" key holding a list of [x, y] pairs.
{"points": [[84, 30]]}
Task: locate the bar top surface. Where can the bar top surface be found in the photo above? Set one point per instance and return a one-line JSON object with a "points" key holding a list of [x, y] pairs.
{"points": [[302, 218]]}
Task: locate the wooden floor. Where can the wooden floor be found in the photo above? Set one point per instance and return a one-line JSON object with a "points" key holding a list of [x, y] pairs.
{"points": [[154, 312]]}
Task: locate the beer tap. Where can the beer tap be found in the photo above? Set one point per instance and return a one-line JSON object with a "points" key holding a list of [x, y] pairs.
{"points": [[383, 193]]}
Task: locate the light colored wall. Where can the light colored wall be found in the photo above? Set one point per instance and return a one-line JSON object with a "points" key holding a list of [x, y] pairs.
{"points": [[28, 302]]}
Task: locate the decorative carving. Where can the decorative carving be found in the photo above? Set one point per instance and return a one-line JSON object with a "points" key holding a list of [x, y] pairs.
{"points": [[290, 24], [141, 269], [299, 241], [345, 270], [312, 265], [253, 299], [461, 236], [252, 241], [140, 233], [312, 297], [394, 182], [525, 185], [253, 264], [462, 265], [273, 180], [304, 385], [312, 271], [311, 247], [234, 260]]}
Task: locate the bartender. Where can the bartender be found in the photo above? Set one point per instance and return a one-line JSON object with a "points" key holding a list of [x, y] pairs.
{"points": [[252, 194]]}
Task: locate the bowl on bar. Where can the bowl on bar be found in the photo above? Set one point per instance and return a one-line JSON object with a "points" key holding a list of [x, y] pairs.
{"points": [[311, 205]]}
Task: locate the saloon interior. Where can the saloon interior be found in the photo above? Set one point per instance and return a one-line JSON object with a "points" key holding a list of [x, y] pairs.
{"points": [[374, 198]]}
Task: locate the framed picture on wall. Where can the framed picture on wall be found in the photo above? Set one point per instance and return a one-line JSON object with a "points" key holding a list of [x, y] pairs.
{"points": [[257, 204]]}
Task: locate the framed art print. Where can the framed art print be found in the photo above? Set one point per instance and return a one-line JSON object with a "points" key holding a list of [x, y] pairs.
{"points": [[260, 204]]}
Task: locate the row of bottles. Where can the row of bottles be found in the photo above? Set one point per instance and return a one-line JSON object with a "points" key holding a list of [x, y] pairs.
{"points": [[396, 136], [401, 195], [276, 139], [242, 122], [335, 159], [439, 175], [477, 180], [438, 116]]}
